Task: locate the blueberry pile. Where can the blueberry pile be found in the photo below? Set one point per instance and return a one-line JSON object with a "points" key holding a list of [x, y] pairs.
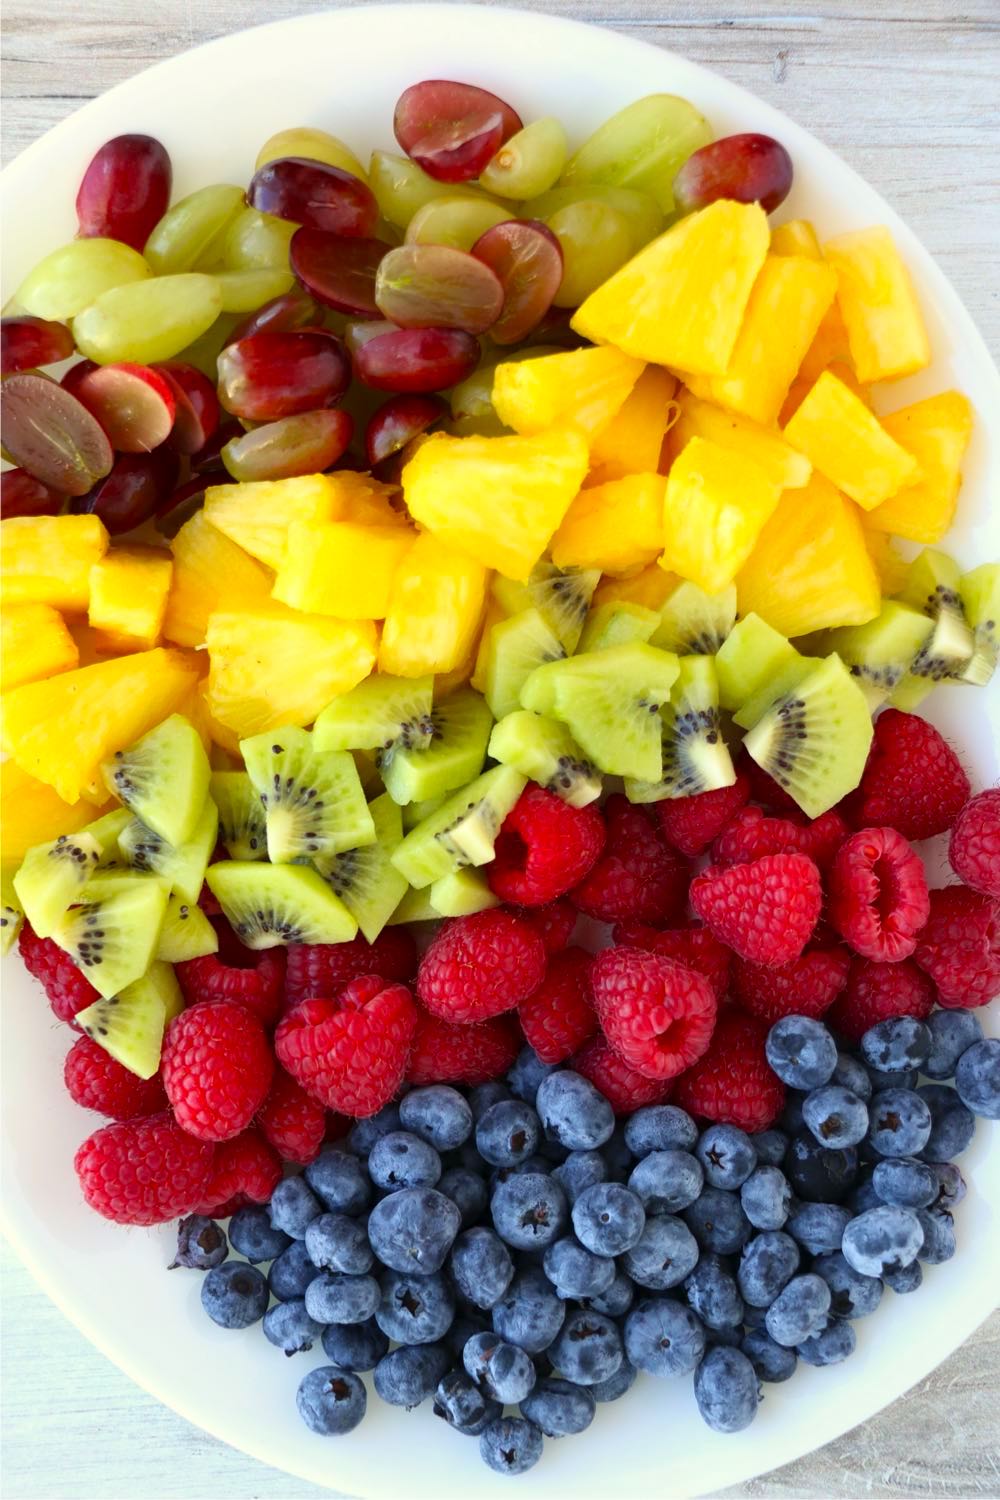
{"points": [[516, 1248]]}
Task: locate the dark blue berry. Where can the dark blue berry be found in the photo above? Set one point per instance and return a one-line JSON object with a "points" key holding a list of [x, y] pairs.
{"points": [[573, 1112], [851, 1294], [331, 1401], [409, 1374], [791, 1116], [552, 1153], [252, 1234], [883, 1239], [770, 1146], [336, 1243], [952, 1124], [831, 1345], [771, 1361], [731, 1337], [664, 1254], [530, 1314], [904, 1279], [291, 1272], [713, 1294], [529, 1211], [402, 1160], [906, 1078], [952, 1033], [819, 1173], [718, 1222], [460, 1403], [588, 1347], [413, 1230], [339, 1179], [802, 1052], [288, 1326], [660, 1127], [663, 1337], [727, 1156], [767, 1264], [468, 1321], [766, 1197], [559, 1408], [852, 1074], [617, 1155], [576, 1272], [800, 1309], [480, 1266], [293, 1207], [900, 1123], [508, 1133], [951, 1185], [836, 1116], [332, 1298], [818, 1227], [617, 1299], [905, 1182], [364, 1133], [415, 1309], [467, 1191], [234, 1294], [535, 1163], [939, 1235], [201, 1244], [580, 1170], [726, 1389], [501, 1370], [355, 1346], [863, 1197], [896, 1044], [616, 1385], [438, 1115], [608, 1218], [977, 1078], [510, 1445], [667, 1181], [485, 1095], [527, 1074]]}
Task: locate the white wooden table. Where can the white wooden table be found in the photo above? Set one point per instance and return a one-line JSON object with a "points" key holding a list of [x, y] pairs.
{"points": [[909, 94]]}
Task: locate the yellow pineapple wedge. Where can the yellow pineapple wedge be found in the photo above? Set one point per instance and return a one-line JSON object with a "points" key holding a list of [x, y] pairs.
{"points": [[32, 813], [47, 560], [341, 569], [581, 388], [615, 526], [810, 569], [890, 564], [34, 643], [211, 573], [847, 443], [884, 323], [498, 499], [681, 300], [128, 596], [797, 237], [649, 588], [762, 446], [256, 515], [936, 432], [713, 512], [437, 601], [800, 388], [631, 442]]}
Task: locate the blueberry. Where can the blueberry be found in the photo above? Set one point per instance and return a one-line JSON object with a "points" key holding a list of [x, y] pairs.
{"points": [[355, 1346], [665, 1253], [467, 1321], [234, 1294], [336, 1243], [906, 1078], [339, 1180], [617, 1155], [364, 1133], [667, 1181], [468, 1157], [731, 1337], [904, 1182], [333, 1298], [802, 1052], [791, 1116], [559, 1408], [836, 1116], [863, 1197], [402, 1160], [898, 1043], [903, 1279], [510, 1445], [852, 1074], [951, 1185], [952, 1033], [616, 1385], [551, 1152], [508, 1133], [501, 1370], [467, 1191], [800, 1309], [660, 1127], [535, 1163], [977, 1078], [767, 1265], [527, 1074], [952, 1123], [485, 1095], [460, 1403], [580, 1170], [727, 1156], [289, 1326], [529, 1211], [851, 1294], [608, 1218], [770, 1146], [530, 1314], [413, 1230], [201, 1244], [588, 1348], [713, 1294], [718, 1222], [819, 1227], [574, 1112], [480, 1266], [820, 1173], [575, 1271], [771, 1361], [663, 1337], [900, 1123], [252, 1234], [293, 1207], [831, 1345], [331, 1401], [726, 1390], [766, 1197], [883, 1239], [616, 1300], [415, 1309], [410, 1373], [291, 1272], [939, 1235], [438, 1115]]}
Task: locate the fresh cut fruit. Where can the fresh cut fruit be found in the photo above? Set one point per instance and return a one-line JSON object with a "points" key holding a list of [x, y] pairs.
{"points": [[34, 643], [847, 443], [268, 906], [47, 560], [713, 512], [614, 527], [435, 607], [129, 588], [130, 1025], [341, 568], [766, 448], [211, 573], [581, 388], [462, 831], [364, 878], [112, 934], [162, 779], [313, 802], [936, 432], [879, 306], [631, 441], [544, 750]]}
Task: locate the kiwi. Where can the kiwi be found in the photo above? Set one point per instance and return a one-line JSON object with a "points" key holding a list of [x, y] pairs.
{"points": [[382, 713], [242, 826], [561, 596], [462, 831], [163, 778], [814, 741], [269, 905], [752, 653], [130, 1025], [416, 812], [461, 726], [186, 932], [879, 654], [183, 867], [414, 907], [112, 936], [365, 881], [932, 586], [616, 623], [693, 622], [695, 754], [461, 893], [783, 680], [314, 805], [980, 595], [632, 659], [516, 647], [52, 876], [11, 914], [944, 656], [107, 830], [544, 750]]}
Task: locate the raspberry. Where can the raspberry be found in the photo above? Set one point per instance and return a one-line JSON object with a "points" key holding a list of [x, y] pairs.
{"points": [[733, 1083], [807, 986], [321, 970], [443, 1053], [913, 781], [765, 790], [765, 910], [691, 823], [217, 1068], [96, 1080], [974, 849], [553, 923], [544, 848], [67, 989], [245, 1170], [625, 1089], [960, 946], [878, 894], [255, 979], [752, 834], [694, 947], [143, 1171], [878, 992], [558, 1017], [293, 1122], [658, 1015], [350, 1053], [638, 877], [480, 966]]}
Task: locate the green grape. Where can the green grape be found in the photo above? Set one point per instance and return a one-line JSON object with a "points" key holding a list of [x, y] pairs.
{"points": [[640, 209], [643, 146], [192, 232], [257, 242], [595, 240], [245, 291], [149, 320], [529, 163], [457, 220], [203, 352], [314, 145], [74, 276], [401, 187]]}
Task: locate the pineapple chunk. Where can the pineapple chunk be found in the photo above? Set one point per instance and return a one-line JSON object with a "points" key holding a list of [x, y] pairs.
{"points": [[797, 237], [257, 515], [341, 569], [713, 513], [884, 323], [614, 526], [581, 388], [681, 300], [47, 560], [649, 588], [847, 443], [890, 565], [936, 432], [434, 611], [632, 440], [34, 643], [830, 346], [210, 574], [128, 596], [799, 389], [766, 449], [32, 813], [810, 569], [493, 614], [498, 499]]}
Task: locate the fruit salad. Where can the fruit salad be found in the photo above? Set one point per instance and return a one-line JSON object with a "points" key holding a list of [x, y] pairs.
{"points": [[463, 789]]}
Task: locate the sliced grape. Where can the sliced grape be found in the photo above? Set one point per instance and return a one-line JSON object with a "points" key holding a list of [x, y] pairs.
{"points": [[458, 221], [642, 211], [413, 360], [284, 314], [133, 403], [73, 376], [401, 187], [527, 257], [182, 503], [436, 286], [192, 233], [47, 431], [148, 321], [21, 494], [125, 190], [271, 375], [748, 168], [312, 144], [338, 270], [134, 490], [452, 129], [304, 444], [26, 343], [75, 275], [308, 192], [642, 146], [256, 241], [595, 241], [197, 406], [529, 162], [398, 421]]}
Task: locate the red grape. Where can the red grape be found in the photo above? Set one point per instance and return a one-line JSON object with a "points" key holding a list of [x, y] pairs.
{"points": [[412, 360], [27, 342], [21, 494], [71, 379], [185, 500], [272, 375], [47, 431], [748, 168], [337, 270], [134, 490], [310, 192], [209, 458], [285, 314], [125, 190], [307, 443], [527, 258], [134, 404], [435, 286], [452, 130], [197, 413], [397, 421]]}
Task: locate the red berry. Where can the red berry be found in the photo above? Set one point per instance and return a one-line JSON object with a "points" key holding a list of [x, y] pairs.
{"points": [[350, 1053], [480, 966], [765, 910], [691, 823], [245, 1170], [292, 1120], [67, 989], [960, 946], [733, 1084], [625, 1089], [319, 970], [878, 894], [913, 781], [878, 992], [694, 947], [253, 978], [96, 1080], [558, 1017], [544, 848], [807, 986], [144, 1171], [553, 923], [445, 1053], [217, 1066], [765, 790], [752, 834], [638, 877], [974, 849], [656, 1013]]}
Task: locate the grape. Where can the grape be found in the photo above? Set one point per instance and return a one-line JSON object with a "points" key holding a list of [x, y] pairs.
{"points": [[27, 342], [529, 163], [400, 187], [21, 494], [133, 491], [133, 403], [749, 168], [181, 505], [208, 458], [308, 192], [595, 241], [246, 291], [304, 444], [191, 234], [313, 145], [458, 221], [75, 275], [72, 377], [47, 431], [642, 146], [452, 129], [284, 314], [197, 406], [272, 375], [527, 258], [397, 421], [125, 190], [148, 321], [434, 286], [642, 211], [339, 271], [256, 242], [412, 360]]}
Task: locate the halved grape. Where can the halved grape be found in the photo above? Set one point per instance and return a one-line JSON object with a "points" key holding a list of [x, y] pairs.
{"points": [[452, 129], [245, 291], [529, 163], [148, 321], [21, 494], [749, 168], [595, 241], [309, 192], [527, 258], [314, 145], [307, 443], [125, 190], [435, 286], [411, 360], [644, 215], [208, 458], [256, 241], [71, 378], [282, 314], [271, 375], [401, 187], [398, 421], [642, 146], [458, 221], [137, 485], [72, 277], [338, 270], [26, 343], [192, 233], [181, 504], [47, 431], [133, 403], [197, 406]]}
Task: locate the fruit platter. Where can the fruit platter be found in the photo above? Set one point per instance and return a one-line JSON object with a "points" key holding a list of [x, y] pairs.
{"points": [[501, 845]]}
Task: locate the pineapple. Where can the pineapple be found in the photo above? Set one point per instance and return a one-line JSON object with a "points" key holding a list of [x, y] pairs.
{"points": [[830, 346], [341, 569], [649, 589], [368, 502], [681, 300], [713, 513], [766, 449], [884, 323], [493, 614], [221, 743], [890, 565], [936, 432], [435, 608], [797, 237], [34, 643], [614, 526], [581, 388], [800, 388], [257, 515], [210, 573], [32, 813], [848, 444], [632, 440], [497, 499], [128, 596], [47, 560]]}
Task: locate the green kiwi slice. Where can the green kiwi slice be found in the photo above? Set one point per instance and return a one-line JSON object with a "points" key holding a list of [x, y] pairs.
{"points": [[382, 713], [782, 681], [186, 933], [461, 725], [612, 709], [880, 653], [544, 750], [979, 592], [414, 907], [461, 893], [112, 935], [241, 817], [163, 778], [130, 1025], [814, 741], [314, 804], [626, 662], [11, 912], [107, 830], [933, 586], [364, 879], [516, 646], [560, 595], [695, 755], [181, 867], [616, 623], [752, 653], [270, 905], [693, 622], [415, 812], [462, 831], [52, 876]]}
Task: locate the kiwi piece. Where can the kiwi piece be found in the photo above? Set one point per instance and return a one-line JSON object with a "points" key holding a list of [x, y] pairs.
{"points": [[382, 713], [880, 653], [783, 680], [313, 801], [544, 750], [461, 726], [561, 596], [242, 827], [130, 1025], [932, 586], [814, 741], [182, 868], [695, 754], [270, 905], [461, 893], [462, 831], [186, 933], [980, 595], [414, 907], [617, 622], [107, 830], [370, 887], [628, 661], [52, 876], [943, 657], [415, 812], [693, 622], [163, 778], [613, 714], [516, 647], [752, 653], [11, 914], [112, 936]]}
